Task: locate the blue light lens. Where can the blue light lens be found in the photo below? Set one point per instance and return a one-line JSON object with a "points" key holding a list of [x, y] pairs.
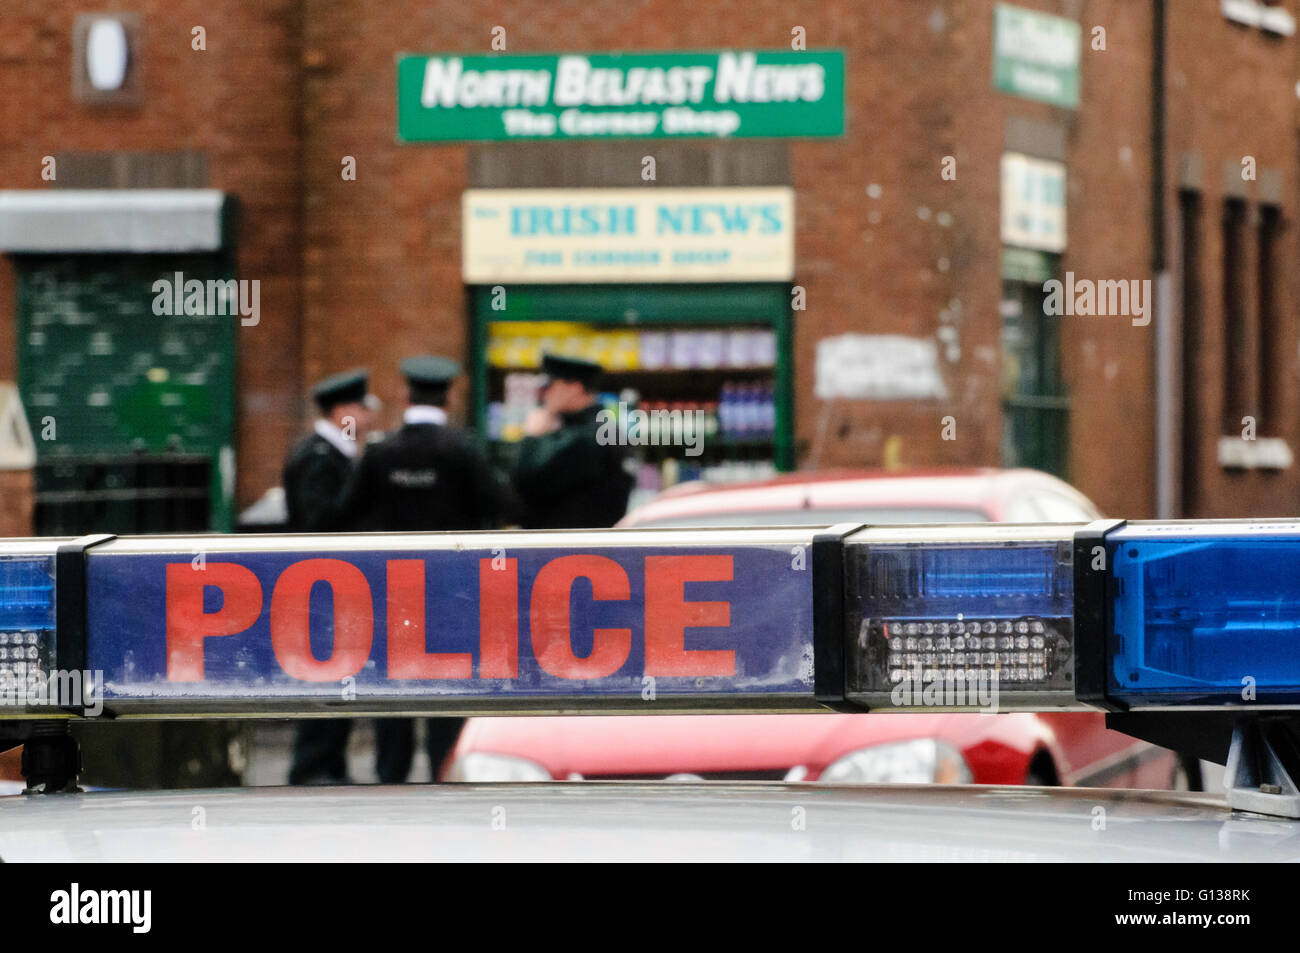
{"points": [[27, 615], [939, 581], [26, 594], [1204, 619]]}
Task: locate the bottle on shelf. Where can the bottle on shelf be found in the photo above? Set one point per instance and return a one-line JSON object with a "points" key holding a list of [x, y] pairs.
{"points": [[745, 412], [654, 350], [738, 350], [726, 411], [712, 347]]}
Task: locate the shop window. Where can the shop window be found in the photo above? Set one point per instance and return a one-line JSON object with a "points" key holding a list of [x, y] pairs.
{"points": [[704, 368]]}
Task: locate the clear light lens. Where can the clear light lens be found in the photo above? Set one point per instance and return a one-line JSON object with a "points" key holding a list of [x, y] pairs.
{"points": [[975, 617], [482, 766], [920, 761]]}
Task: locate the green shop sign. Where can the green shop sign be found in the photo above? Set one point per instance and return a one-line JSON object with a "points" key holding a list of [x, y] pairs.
{"points": [[782, 94], [1036, 55]]}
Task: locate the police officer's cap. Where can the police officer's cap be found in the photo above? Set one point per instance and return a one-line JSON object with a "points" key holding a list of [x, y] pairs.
{"points": [[345, 388], [559, 368], [429, 370]]}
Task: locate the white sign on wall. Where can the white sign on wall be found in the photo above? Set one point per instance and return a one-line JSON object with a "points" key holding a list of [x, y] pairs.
{"points": [[17, 448], [878, 367], [619, 235], [1264, 453], [1033, 202]]}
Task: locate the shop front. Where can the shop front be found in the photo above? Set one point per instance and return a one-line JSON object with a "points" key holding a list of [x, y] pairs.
{"points": [[670, 264], [636, 280]]}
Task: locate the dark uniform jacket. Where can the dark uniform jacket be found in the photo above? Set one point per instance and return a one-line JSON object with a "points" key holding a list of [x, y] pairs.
{"points": [[314, 476], [423, 477], [567, 480]]}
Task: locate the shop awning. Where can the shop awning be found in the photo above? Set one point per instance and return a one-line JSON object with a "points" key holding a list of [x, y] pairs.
{"points": [[112, 220]]}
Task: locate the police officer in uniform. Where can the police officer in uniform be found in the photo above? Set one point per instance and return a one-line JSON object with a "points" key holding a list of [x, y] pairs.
{"points": [[314, 477], [563, 474], [425, 476]]}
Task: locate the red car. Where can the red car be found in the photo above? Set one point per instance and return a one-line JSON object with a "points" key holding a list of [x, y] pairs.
{"points": [[929, 496], [1053, 748]]}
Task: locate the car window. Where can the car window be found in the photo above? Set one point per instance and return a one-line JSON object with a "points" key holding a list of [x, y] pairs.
{"points": [[1021, 509], [825, 515], [1056, 508]]}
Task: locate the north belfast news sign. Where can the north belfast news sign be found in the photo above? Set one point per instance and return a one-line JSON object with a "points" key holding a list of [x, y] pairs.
{"points": [[773, 94]]}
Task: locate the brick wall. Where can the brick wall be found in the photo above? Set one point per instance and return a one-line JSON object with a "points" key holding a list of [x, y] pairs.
{"points": [[918, 89], [236, 102], [368, 271], [1240, 101], [16, 491]]}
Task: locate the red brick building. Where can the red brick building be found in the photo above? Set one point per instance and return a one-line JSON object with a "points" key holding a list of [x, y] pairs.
{"points": [[900, 224]]}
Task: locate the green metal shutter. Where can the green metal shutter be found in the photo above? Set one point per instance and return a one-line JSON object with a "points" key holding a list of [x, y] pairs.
{"points": [[133, 412]]}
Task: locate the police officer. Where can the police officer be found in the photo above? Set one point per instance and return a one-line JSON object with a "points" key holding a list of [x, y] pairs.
{"points": [[314, 477], [565, 476], [425, 476]]}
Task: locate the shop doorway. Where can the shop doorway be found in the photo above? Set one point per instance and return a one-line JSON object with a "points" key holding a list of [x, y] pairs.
{"points": [[722, 352]]}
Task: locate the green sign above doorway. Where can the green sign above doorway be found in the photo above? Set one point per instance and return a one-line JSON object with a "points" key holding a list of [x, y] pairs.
{"points": [[740, 93]]}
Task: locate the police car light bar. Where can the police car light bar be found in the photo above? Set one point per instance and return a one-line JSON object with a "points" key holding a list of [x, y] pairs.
{"points": [[965, 617]]}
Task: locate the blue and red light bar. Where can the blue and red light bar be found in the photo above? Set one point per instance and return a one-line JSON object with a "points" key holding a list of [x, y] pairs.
{"points": [[1114, 616]]}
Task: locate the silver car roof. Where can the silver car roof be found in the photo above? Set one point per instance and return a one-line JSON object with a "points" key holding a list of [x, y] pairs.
{"points": [[623, 821]]}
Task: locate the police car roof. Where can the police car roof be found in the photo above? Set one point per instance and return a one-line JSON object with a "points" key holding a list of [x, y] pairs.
{"points": [[632, 821]]}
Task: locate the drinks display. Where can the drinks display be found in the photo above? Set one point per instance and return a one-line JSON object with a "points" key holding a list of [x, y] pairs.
{"points": [[743, 413], [747, 412], [690, 403], [519, 346]]}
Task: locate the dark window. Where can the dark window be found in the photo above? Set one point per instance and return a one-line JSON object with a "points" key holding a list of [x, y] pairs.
{"points": [[1238, 397], [1270, 340], [1194, 404]]}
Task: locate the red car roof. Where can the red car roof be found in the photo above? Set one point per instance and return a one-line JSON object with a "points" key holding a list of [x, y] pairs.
{"points": [[978, 489]]}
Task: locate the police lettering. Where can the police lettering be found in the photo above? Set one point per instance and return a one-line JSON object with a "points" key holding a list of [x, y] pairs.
{"points": [[668, 614]]}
